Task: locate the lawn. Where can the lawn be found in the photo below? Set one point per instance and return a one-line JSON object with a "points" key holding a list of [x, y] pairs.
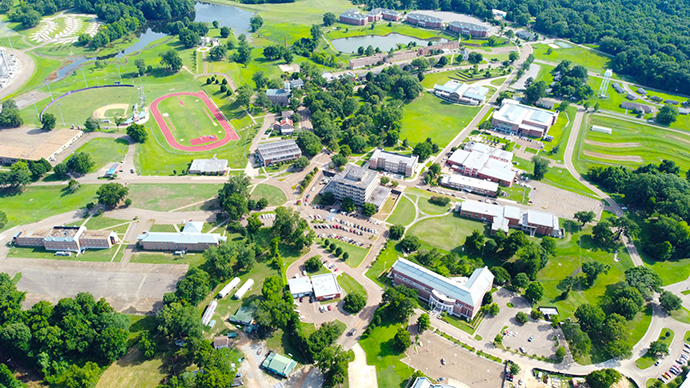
{"points": [[682, 315], [388, 256], [101, 222], [306, 12], [274, 195], [350, 285], [429, 116], [390, 371], [429, 208], [40, 202], [42, 69], [357, 254], [648, 360], [190, 119], [193, 259], [104, 151], [404, 213], [630, 144], [519, 194], [281, 344], [167, 197], [345, 30], [560, 132], [163, 228], [88, 255], [594, 61], [557, 177], [447, 232]]}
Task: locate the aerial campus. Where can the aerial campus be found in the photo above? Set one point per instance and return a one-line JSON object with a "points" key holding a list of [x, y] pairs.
{"points": [[339, 193]]}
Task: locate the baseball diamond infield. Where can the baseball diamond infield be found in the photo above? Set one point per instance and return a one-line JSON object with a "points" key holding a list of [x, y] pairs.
{"points": [[230, 134]]}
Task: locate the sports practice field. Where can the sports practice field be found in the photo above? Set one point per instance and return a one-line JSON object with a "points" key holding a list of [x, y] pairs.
{"points": [[191, 122]]}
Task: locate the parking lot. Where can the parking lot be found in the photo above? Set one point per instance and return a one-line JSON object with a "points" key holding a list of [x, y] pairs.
{"points": [[542, 334], [460, 364], [561, 202]]}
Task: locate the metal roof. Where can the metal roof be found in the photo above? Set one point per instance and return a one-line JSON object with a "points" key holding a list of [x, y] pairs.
{"points": [[469, 26], [279, 364], [325, 285], [393, 157], [299, 285], [278, 149], [209, 165]]}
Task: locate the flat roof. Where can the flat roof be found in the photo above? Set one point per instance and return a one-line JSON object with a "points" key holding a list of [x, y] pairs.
{"points": [[487, 149], [462, 180], [96, 233], [356, 176], [394, 157], [35, 147], [278, 363], [540, 218], [191, 234], [278, 149], [325, 285], [482, 208], [515, 113], [209, 165], [379, 196], [299, 285], [426, 18], [469, 291], [469, 26]]}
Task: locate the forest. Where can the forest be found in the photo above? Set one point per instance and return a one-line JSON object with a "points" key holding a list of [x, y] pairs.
{"points": [[649, 40]]}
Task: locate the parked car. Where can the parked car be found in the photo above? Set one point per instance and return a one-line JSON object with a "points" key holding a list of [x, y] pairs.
{"points": [[443, 361]]}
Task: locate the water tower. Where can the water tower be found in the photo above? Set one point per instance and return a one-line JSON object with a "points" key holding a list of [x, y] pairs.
{"points": [[605, 84]]}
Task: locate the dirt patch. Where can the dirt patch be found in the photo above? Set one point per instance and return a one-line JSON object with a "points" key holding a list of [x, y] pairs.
{"points": [[100, 112], [613, 145], [361, 374], [614, 158], [680, 139]]}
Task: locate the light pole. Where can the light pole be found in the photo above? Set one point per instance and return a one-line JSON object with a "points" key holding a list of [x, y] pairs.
{"points": [[428, 346], [487, 375], [10, 40], [63, 119], [37, 115], [84, 75], [50, 91], [120, 75], [454, 355]]}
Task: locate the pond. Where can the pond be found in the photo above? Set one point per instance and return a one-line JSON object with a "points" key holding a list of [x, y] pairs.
{"points": [[385, 42]]}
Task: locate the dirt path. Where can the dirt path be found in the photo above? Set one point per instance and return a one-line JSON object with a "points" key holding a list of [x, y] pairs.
{"points": [[613, 145], [361, 374], [614, 158]]}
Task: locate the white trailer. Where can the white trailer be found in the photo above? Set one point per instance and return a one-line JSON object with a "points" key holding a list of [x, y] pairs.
{"points": [[228, 287], [243, 290], [206, 318], [597, 128]]}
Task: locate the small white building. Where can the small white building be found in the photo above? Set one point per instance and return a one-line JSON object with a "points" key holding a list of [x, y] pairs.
{"points": [[300, 287], [211, 166], [462, 182], [208, 314], [228, 287], [244, 289], [325, 287], [606, 130]]}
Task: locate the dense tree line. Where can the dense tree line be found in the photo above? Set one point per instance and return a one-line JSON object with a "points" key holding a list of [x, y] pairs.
{"points": [[9, 117], [68, 342]]}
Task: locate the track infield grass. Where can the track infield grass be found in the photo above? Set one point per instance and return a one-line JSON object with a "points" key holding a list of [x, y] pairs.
{"points": [[188, 118]]}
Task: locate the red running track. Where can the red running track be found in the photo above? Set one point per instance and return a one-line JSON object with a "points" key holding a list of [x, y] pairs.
{"points": [[230, 133]]}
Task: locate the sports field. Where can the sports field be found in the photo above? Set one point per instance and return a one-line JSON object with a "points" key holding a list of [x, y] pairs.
{"points": [[594, 61], [191, 122], [630, 144]]}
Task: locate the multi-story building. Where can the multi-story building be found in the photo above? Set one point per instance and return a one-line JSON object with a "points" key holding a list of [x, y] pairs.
{"points": [[280, 97], [372, 60], [515, 118], [460, 296], [189, 239], [484, 162], [474, 185], [461, 93], [426, 50], [66, 238], [277, 151], [392, 15], [375, 15], [392, 162], [359, 184], [285, 126], [465, 28], [504, 217], [422, 20], [353, 16]]}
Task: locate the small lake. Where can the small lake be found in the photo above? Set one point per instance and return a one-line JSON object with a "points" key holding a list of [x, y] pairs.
{"points": [[228, 16], [385, 43]]}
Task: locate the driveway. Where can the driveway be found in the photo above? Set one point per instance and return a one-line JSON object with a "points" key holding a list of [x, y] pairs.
{"points": [[361, 374]]}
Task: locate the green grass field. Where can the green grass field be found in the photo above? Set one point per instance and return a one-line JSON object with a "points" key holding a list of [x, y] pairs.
{"points": [[350, 285], [162, 228], [274, 195], [305, 12], [190, 119], [39, 202], [560, 132], [447, 232], [166, 197], [390, 371], [648, 360], [429, 208], [594, 61], [357, 254], [104, 151], [557, 177], [43, 67], [630, 144], [404, 212], [344, 30], [88, 255], [193, 260], [429, 116], [383, 262]]}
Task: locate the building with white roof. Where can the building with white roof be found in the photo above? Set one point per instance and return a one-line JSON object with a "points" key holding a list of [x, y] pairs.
{"points": [[458, 296], [504, 217], [392, 162], [211, 166], [423, 382], [474, 185], [597, 128], [300, 287], [461, 93], [325, 287], [515, 118], [483, 162], [360, 185], [189, 239]]}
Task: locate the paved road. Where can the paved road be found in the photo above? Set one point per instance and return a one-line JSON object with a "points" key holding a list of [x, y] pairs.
{"points": [[28, 68]]}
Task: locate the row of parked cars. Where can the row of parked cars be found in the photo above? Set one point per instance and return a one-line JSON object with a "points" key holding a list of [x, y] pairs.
{"points": [[327, 226], [675, 370], [346, 239]]}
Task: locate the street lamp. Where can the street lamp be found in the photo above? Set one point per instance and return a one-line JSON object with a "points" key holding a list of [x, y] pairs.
{"points": [[428, 346], [487, 375], [454, 355]]}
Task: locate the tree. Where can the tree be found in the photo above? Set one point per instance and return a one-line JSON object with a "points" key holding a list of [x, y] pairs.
{"points": [[338, 251], [259, 79], [254, 224], [256, 22], [339, 160], [534, 292], [658, 348], [48, 122], [309, 143], [244, 96], [313, 264], [475, 57], [272, 288], [194, 287], [171, 60], [3, 219], [522, 317], [401, 340], [224, 32], [329, 18], [348, 205], [669, 301], [218, 52], [602, 234], [396, 232], [493, 309], [585, 216], [80, 163], [501, 275], [315, 32], [189, 38], [667, 114], [513, 55], [179, 321], [354, 302], [423, 150], [603, 378], [111, 344], [535, 91], [410, 243], [137, 132], [644, 279], [590, 318], [549, 245], [369, 209], [300, 163], [423, 323], [520, 280], [560, 353], [541, 166], [384, 180], [91, 124], [592, 269], [110, 194]]}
